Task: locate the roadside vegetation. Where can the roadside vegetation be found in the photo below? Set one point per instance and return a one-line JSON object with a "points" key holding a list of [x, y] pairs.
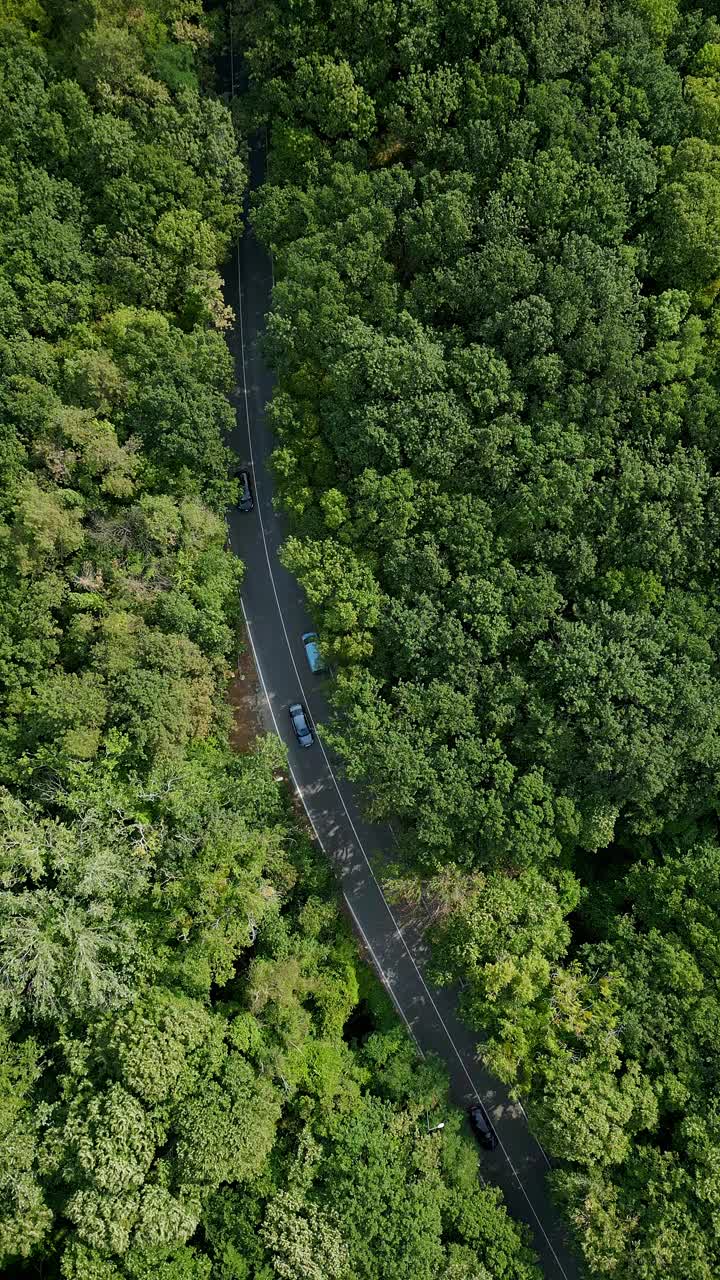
{"points": [[496, 236], [198, 1076]]}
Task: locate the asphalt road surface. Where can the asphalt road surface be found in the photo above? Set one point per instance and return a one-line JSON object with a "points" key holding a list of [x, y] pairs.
{"points": [[276, 616]]}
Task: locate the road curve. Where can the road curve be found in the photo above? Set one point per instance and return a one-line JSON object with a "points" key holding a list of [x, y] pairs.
{"points": [[276, 616]]}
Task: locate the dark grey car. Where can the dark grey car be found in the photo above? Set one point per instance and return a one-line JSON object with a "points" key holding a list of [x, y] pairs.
{"points": [[482, 1126], [245, 501], [301, 724]]}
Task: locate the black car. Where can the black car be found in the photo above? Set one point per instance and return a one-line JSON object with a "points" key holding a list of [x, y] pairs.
{"points": [[301, 724], [245, 501], [482, 1127]]}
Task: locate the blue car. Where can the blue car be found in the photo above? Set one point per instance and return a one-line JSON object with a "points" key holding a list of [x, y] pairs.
{"points": [[316, 662], [301, 724]]}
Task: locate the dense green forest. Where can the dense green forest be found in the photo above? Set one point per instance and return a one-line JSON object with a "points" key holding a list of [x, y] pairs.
{"points": [[198, 1077], [496, 235]]}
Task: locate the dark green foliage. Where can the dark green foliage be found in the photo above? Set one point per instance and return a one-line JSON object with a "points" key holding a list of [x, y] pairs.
{"points": [[496, 247], [176, 979], [119, 600], [177, 1099]]}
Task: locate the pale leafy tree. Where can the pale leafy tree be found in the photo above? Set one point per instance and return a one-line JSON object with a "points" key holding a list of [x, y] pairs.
{"points": [[47, 526], [304, 1242], [25, 1217], [65, 948]]}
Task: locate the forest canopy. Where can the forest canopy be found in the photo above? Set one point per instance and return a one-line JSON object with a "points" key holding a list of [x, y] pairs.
{"points": [[495, 227], [198, 1075]]}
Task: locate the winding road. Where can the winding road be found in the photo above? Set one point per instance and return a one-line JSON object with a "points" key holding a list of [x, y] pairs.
{"points": [[276, 616]]}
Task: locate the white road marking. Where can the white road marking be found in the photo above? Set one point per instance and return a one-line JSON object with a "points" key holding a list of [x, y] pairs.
{"points": [[333, 779], [232, 65], [381, 972], [267, 152], [537, 1141], [385, 980], [391, 829]]}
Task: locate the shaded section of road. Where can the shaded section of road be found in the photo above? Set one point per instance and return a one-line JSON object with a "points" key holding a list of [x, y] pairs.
{"points": [[276, 617]]}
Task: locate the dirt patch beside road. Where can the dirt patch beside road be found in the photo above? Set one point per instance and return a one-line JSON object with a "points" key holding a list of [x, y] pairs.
{"points": [[246, 699]]}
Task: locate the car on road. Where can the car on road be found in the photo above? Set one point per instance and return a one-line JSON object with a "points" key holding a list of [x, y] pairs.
{"points": [[482, 1126], [316, 662], [301, 724], [245, 501]]}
